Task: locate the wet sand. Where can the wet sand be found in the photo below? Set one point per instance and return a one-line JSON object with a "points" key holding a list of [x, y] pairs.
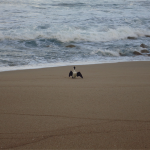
{"points": [[45, 109]]}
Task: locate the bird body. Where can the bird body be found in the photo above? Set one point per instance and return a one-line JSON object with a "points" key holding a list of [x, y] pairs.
{"points": [[75, 74]]}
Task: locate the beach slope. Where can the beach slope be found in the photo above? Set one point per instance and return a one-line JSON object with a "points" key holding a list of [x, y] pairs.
{"points": [[45, 109]]}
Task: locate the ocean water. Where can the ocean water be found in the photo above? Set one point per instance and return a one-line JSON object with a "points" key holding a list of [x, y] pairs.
{"points": [[36, 33]]}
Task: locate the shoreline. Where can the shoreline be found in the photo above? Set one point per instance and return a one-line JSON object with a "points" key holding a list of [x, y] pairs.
{"points": [[45, 109], [41, 66]]}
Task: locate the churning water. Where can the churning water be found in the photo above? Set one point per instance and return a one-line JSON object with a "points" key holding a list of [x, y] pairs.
{"points": [[36, 33]]}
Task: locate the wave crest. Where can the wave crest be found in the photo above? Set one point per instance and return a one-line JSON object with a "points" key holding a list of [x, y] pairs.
{"points": [[75, 34], [106, 53]]}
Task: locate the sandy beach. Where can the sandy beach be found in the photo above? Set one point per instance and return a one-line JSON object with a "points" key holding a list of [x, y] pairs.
{"points": [[45, 109]]}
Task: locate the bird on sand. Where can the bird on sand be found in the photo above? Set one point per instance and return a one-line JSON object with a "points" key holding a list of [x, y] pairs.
{"points": [[74, 73]]}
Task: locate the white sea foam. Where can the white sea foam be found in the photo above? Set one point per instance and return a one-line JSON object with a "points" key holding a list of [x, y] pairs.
{"points": [[74, 34], [34, 34], [86, 62], [95, 36], [106, 53]]}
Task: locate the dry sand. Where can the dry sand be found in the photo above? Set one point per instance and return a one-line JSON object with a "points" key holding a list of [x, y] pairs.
{"points": [[45, 109]]}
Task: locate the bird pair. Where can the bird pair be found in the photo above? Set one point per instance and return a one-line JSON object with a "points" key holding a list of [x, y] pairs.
{"points": [[74, 73]]}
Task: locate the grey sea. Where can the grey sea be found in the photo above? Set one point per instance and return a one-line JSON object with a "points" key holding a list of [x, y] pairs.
{"points": [[50, 33]]}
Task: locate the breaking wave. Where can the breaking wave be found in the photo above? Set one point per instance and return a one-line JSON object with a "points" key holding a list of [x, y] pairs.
{"points": [[76, 34], [106, 53]]}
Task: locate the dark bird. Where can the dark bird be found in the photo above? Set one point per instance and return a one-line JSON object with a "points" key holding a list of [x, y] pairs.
{"points": [[74, 73]]}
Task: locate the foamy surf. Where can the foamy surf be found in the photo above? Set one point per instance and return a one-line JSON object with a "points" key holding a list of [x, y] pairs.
{"points": [[101, 60], [37, 34], [76, 34]]}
